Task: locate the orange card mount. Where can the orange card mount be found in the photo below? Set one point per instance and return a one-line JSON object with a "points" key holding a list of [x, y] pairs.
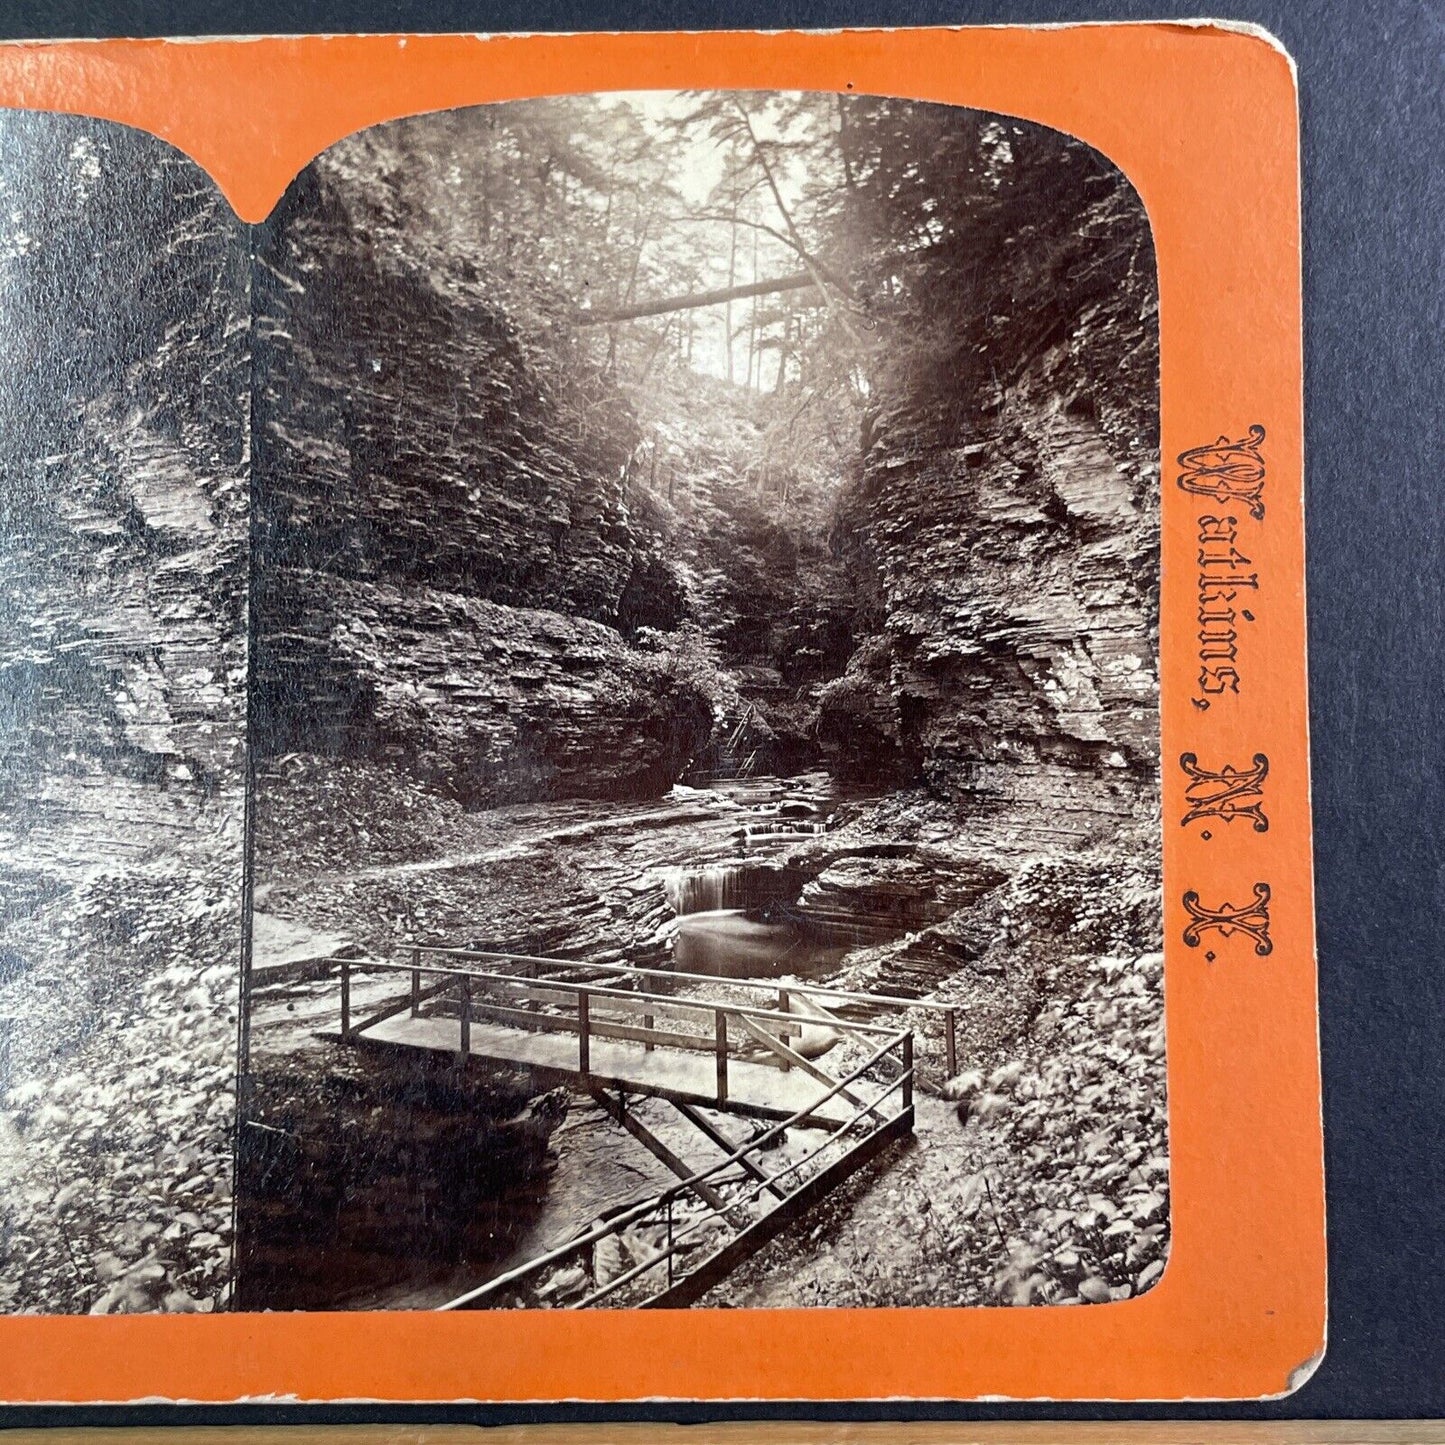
{"points": [[1202, 120]]}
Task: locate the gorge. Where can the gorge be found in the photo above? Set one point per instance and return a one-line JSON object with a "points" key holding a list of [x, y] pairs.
{"points": [[831, 654], [713, 534]]}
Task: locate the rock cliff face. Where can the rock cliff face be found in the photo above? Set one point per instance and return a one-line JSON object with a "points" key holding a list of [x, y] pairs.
{"points": [[1006, 537], [123, 504], [455, 487], [510, 702], [408, 427], [123, 611]]}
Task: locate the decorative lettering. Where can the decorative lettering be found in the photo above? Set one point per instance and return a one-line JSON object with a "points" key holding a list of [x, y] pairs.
{"points": [[1227, 794], [1251, 919], [1222, 580], [1227, 471]]}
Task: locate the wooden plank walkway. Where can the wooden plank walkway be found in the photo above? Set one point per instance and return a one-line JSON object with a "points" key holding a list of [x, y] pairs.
{"points": [[756, 1089], [598, 1037]]}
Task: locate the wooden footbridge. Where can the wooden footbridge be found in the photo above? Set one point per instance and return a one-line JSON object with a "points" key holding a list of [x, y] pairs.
{"points": [[740, 1049]]}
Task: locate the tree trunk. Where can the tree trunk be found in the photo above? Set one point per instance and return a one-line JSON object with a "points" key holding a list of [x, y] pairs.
{"points": [[804, 254], [753, 323], [732, 280], [799, 281], [783, 345]]}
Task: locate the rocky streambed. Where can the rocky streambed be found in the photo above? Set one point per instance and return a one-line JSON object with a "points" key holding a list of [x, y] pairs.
{"points": [[418, 1183], [368, 1180]]}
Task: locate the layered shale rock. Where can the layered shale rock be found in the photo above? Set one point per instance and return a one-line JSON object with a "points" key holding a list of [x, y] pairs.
{"points": [[891, 893], [123, 519], [1006, 532], [484, 703], [450, 550], [408, 428]]}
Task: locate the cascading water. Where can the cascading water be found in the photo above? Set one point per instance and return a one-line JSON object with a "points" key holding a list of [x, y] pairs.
{"points": [[729, 886], [725, 927], [778, 830], [737, 917], [701, 890]]}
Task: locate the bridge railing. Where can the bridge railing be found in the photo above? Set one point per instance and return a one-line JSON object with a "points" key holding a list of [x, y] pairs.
{"points": [[596, 1012], [870, 1123], [540, 966]]}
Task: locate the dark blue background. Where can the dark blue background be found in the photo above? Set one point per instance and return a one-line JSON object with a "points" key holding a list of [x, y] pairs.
{"points": [[1372, 80]]}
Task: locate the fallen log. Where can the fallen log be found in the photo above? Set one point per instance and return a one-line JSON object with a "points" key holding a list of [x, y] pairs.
{"points": [[798, 281]]}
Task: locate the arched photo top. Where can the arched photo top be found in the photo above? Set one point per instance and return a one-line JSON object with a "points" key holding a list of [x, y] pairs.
{"points": [[745, 502]]}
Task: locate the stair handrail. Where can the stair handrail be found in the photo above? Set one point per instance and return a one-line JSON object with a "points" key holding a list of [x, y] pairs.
{"points": [[902, 1039], [751, 1193]]}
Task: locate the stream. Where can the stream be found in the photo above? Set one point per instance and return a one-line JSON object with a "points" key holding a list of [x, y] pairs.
{"points": [[738, 918], [735, 914]]}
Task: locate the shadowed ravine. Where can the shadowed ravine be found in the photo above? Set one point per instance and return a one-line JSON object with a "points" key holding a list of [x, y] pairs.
{"points": [[710, 532], [619, 609]]}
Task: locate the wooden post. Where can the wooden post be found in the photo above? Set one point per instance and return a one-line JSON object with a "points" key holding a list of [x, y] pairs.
{"points": [[584, 1035], [951, 1041], [908, 1071], [345, 999], [782, 1009], [720, 1024], [669, 1241], [647, 1024], [415, 981], [466, 990]]}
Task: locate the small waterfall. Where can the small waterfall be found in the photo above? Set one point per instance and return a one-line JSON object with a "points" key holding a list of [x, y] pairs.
{"points": [[705, 890], [781, 828], [729, 886]]}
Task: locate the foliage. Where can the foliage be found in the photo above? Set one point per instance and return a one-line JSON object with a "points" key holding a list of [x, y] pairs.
{"points": [[1074, 1146], [117, 1148]]}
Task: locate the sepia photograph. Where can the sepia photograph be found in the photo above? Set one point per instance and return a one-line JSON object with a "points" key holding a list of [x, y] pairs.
{"points": [[703, 715], [124, 486], [595, 677]]}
